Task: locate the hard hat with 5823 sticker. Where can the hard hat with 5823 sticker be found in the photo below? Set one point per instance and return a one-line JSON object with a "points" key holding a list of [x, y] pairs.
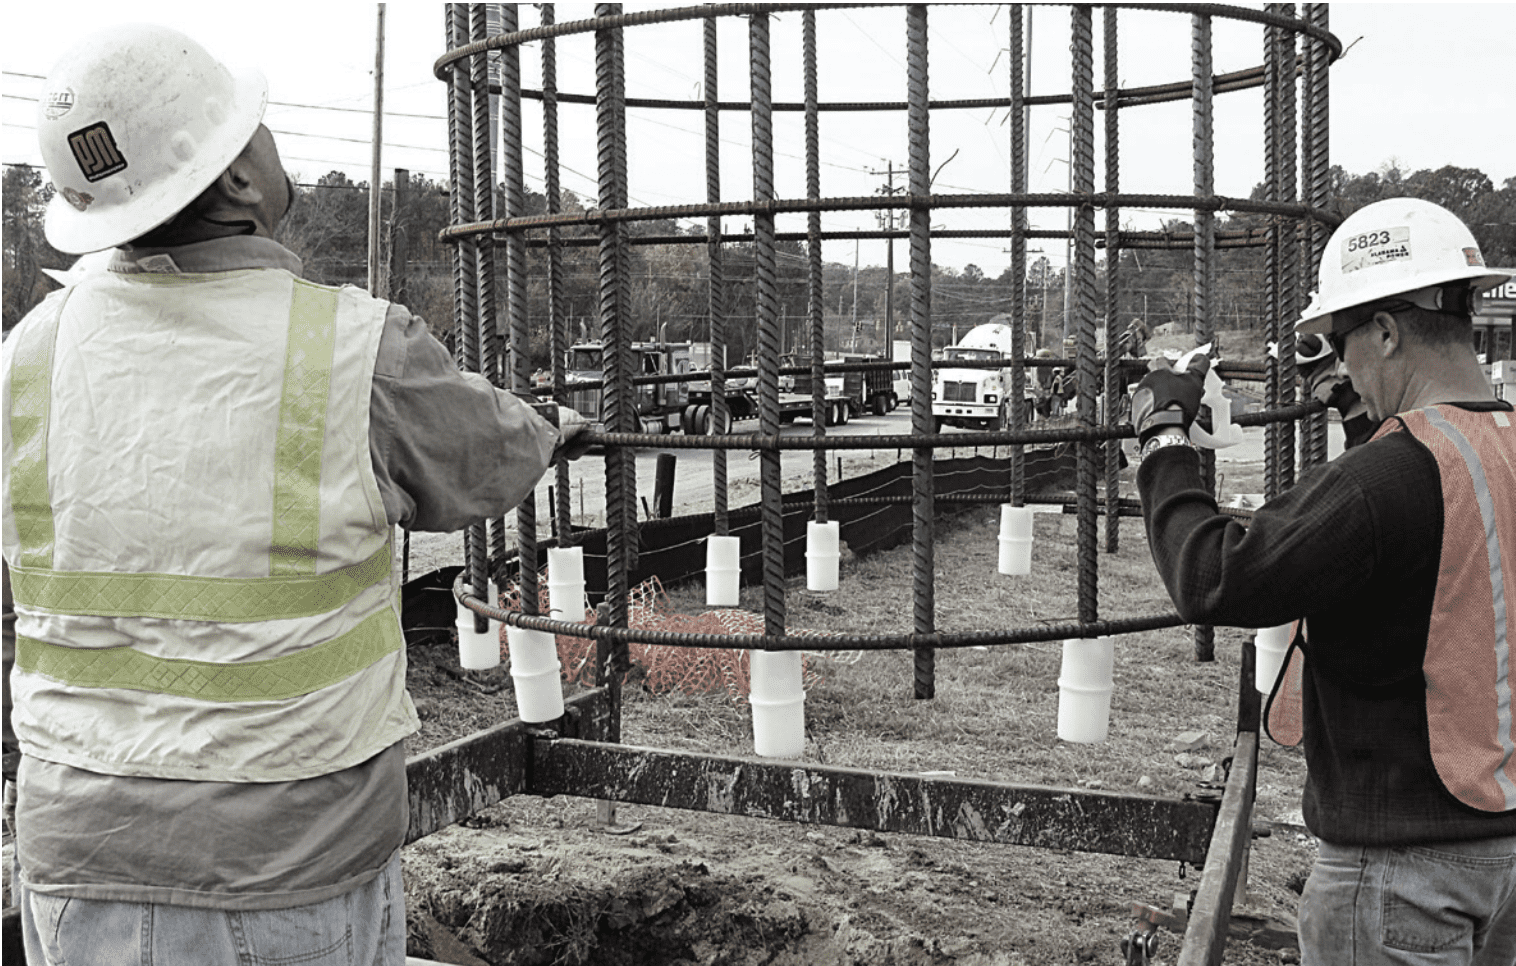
{"points": [[1377, 247]]}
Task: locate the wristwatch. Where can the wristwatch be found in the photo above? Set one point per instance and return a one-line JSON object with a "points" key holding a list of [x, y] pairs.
{"points": [[1160, 441]]}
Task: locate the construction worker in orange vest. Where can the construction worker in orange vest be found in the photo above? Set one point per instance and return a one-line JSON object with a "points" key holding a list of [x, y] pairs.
{"points": [[1398, 559]]}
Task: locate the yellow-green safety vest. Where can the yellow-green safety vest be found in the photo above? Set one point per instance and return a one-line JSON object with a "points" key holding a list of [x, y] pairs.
{"points": [[201, 560]]}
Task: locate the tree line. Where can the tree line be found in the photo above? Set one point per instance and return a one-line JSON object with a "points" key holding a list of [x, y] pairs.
{"points": [[328, 225]]}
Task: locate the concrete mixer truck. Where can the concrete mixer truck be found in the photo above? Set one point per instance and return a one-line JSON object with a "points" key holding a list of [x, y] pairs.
{"points": [[975, 398]]}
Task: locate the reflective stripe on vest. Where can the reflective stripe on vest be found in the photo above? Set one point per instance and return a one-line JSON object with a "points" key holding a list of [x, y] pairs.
{"points": [[273, 680], [1468, 659]]}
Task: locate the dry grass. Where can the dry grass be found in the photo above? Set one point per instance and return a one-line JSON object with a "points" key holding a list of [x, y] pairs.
{"points": [[995, 713]]}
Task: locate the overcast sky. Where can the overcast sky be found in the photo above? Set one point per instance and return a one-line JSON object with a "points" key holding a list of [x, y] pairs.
{"points": [[1422, 85]]}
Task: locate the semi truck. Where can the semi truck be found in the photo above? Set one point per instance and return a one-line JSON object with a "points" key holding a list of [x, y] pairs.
{"points": [[975, 398], [686, 405]]}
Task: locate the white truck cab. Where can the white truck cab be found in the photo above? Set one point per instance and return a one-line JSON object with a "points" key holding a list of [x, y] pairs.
{"points": [[975, 398]]}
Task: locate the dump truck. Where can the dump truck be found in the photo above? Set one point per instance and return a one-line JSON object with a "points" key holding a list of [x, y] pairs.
{"points": [[660, 406], [975, 398]]}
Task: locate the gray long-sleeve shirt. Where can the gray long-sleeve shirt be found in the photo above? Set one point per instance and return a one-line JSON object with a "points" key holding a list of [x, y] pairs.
{"points": [[448, 449]]}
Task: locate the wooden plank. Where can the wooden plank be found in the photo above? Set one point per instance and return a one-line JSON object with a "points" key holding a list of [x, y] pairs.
{"points": [[452, 782], [1058, 818], [1205, 939]]}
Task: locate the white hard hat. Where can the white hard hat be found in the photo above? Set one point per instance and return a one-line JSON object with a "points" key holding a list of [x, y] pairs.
{"points": [[134, 123], [1390, 248]]}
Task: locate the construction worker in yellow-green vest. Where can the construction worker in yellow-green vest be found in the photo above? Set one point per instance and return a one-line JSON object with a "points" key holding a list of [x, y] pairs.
{"points": [[1396, 563], [206, 457]]}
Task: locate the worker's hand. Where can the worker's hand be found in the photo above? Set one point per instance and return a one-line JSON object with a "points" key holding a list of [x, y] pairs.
{"points": [[572, 430], [1315, 362], [1167, 398]]}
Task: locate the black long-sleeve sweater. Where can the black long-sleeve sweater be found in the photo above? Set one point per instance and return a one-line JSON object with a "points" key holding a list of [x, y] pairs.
{"points": [[1354, 548]]}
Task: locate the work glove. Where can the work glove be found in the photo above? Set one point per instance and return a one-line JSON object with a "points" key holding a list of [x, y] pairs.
{"points": [[1319, 370], [572, 428], [1167, 398]]}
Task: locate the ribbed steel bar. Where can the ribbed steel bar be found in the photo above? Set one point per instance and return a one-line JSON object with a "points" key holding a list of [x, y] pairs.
{"points": [[1017, 126], [519, 376], [1289, 248], [557, 310], [1242, 14], [460, 114], [1089, 462], [770, 339], [1114, 390], [923, 530], [1205, 227], [777, 206], [716, 298], [1316, 163], [817, 337], [480, 16], [615, 303], [1271, 461]]}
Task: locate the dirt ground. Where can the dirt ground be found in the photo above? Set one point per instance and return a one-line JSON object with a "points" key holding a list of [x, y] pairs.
{"points": [[533, 881]]}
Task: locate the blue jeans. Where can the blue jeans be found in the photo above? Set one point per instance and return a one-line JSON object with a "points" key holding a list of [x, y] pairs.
{"points": [[364, 927], [1429, 905]]}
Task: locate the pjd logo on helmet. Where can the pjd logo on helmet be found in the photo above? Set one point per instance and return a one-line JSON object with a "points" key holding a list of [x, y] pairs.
{"points": [[96, 152]]}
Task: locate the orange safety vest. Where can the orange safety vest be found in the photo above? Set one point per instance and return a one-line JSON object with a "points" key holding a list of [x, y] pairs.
{"points": [[1468, 668]]}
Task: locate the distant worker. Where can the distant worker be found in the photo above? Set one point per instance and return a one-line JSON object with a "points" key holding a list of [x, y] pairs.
{"points": [[1399, 559], [1134, 340], [205, 460]]}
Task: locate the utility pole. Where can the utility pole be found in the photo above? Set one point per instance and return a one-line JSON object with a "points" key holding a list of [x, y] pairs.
{"points": [[886, 220], [376, 185], [398, 252]]}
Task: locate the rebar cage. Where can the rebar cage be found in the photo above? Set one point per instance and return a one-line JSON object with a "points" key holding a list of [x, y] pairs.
{"points": [[1297, 51]]}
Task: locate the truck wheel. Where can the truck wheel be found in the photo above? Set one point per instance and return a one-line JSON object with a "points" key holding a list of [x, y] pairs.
{"points": [[687, 421], [881, 404], [844, 412], [832, 415], [702, 420]]}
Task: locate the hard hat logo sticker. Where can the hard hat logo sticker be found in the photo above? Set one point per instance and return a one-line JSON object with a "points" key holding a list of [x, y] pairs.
{"points": [[1379, 247], [58, 103], [96, 152]]}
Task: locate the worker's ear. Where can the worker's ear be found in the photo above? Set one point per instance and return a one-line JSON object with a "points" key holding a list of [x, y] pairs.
{"points": [[238, 186], [1387, 330]]}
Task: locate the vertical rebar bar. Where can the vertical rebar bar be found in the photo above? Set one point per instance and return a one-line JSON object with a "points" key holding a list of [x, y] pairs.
{"points": [[923, 517], [460, 112], [1082, 161], [1289, 248], [1018, 254], [1205, 242], [1272, 364], [1113, 388], [716, 298], [615, 301], [770, 339], [519, 377], [558, 324], [1317, 167], [484, 210], [817, 337]]}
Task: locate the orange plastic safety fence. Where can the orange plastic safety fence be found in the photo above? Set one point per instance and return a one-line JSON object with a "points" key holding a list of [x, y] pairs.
{"points": [[662, 668]]}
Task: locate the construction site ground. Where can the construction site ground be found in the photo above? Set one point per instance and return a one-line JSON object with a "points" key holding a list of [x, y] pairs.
{"points": [[534, 881]]}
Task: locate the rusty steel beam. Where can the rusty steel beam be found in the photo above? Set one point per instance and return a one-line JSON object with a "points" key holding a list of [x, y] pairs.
{"points": [[452, 782], [1059, 818]]}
